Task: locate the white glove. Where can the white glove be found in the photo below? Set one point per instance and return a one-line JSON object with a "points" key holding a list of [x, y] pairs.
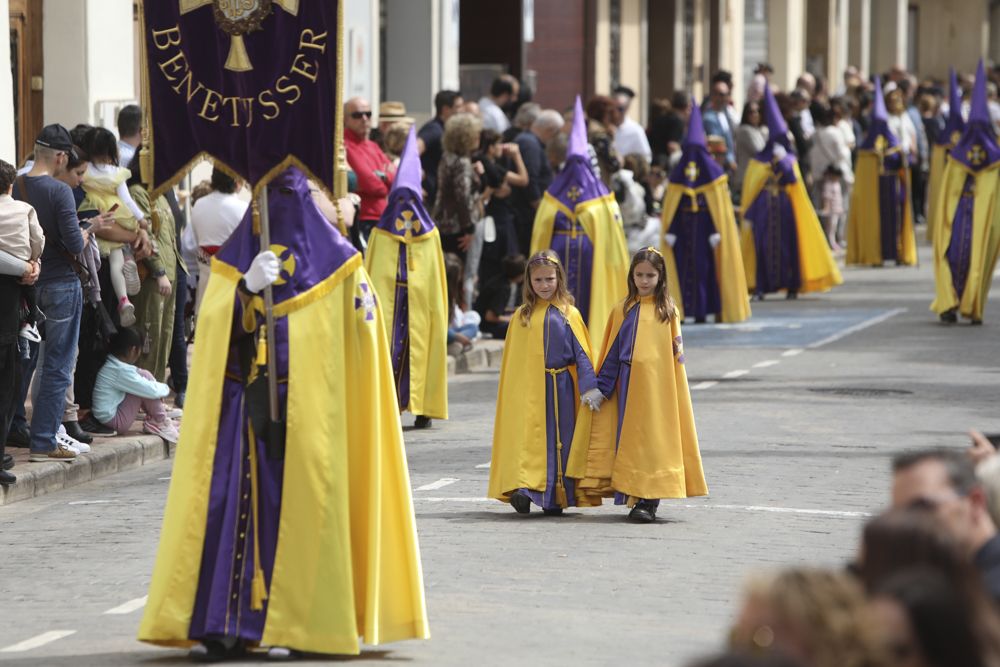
{"points": [[714, 239], [671, 239], [264, 270], [592, 399]]}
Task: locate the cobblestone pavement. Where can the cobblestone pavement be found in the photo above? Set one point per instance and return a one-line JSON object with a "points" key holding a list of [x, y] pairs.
{"points": [[799, 412]]}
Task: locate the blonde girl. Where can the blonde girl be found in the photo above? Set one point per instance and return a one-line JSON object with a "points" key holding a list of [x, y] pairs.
{"points": [[546, 366]]}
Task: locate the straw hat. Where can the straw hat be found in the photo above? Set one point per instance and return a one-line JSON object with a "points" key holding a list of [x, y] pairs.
{"points": [[393, 112]]}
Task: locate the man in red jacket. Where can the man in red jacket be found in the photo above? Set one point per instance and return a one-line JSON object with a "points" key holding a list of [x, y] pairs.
{"points": [[373, 169]]}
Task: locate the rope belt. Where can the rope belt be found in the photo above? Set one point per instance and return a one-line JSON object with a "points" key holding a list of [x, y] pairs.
{"points": [[560, 486]]}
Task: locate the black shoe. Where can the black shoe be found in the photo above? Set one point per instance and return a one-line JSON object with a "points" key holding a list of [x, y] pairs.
{"points": [[95, 428], [422, 422], [215, 650], [642, 512], [792, 295], [18, 437], [699, 320], [949, 317], [552, 511], [74, 431], [520, 502], [179, 399], [975, 321], [7, 478], [8, 462]]}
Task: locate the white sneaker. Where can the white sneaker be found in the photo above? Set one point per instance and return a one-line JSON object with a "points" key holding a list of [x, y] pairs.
{"points": [[64, 439], [30, 332], [175, 413], [166, 429]]}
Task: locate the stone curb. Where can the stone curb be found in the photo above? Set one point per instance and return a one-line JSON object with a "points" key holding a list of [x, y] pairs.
{"points": [[110, 456], [107, 457]]}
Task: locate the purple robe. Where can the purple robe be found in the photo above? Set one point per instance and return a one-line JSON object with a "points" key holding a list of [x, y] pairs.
{"points": [[576, 252], [892, 196], [562, 350], [960, 247], [615, 373], [776, 238], [695, 259], [313, 251], [401, 331]]}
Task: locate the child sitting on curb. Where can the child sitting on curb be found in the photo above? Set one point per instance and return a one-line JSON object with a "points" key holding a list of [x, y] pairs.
{"points": [[122, 388]]}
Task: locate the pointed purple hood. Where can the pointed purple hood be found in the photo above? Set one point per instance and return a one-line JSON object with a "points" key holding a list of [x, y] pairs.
{"points": [[955, 124], [777, 128], [577, 144], [577, 183], [879, 122], [977, 149], [405, 211], [696, 166]]}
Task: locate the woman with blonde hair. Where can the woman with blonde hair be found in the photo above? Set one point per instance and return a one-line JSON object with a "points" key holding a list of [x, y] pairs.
{"points": [[818, 617]]}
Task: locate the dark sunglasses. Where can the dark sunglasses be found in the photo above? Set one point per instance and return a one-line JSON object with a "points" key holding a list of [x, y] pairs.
{"points": [[358, 115]]}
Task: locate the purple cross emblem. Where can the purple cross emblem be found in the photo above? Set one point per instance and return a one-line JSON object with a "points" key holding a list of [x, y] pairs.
{"points": [[366, 301]]}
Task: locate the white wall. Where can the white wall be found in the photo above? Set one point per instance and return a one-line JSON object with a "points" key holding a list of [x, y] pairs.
{"points": [[361, 50], [8, 142], [89, 48]]}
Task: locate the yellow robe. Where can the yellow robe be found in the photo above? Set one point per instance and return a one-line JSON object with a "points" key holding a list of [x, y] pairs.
{"points": [[347, 563], [817, 267], [728, 260], [428, 312], [657, 454], [985, 240], [601, 220], [935, 180], [864, 227], [520, 441]]}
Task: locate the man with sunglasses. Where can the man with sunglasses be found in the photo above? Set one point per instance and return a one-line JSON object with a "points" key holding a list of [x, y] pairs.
{"points": [[944, 483], [373, 169]]}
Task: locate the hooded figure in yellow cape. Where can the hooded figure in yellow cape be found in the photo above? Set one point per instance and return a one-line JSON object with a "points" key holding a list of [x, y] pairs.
{"points": [[967, 237], [784, 247], [643, 442], [308, 541], [701, 244], [943, 144], [406, 265], [546, 366], [880, 221], [579, 219]]}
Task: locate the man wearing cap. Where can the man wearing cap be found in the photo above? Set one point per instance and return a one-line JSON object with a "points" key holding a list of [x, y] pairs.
{"points": [[60, 296], [372, 167]]}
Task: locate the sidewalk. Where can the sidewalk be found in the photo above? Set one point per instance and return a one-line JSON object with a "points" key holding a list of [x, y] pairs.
{"points": [[112, 455]]}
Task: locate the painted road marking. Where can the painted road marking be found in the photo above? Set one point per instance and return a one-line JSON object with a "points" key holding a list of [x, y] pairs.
{"points": [[707, 384], [444, 481], [92, 502], [794, 352], [765, 364], [483, 465], [857, 327], [731, 375], [37, 640], [129, 606], [667, 506]]}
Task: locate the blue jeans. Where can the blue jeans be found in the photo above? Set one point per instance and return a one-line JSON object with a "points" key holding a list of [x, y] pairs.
{"points": [[62, 303], [467, 330]]}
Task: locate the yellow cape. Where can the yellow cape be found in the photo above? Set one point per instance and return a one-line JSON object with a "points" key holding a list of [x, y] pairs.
{"points": [[657, 455], [520, 444], [935, 179], [428, 300], [985, 240], [347, 562], [864, 227], [728, 260], [601, 220], [817, 267]]}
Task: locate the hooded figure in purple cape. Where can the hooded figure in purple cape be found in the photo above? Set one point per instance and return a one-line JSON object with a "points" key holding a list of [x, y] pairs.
{"points": [[967, 238], [784, 247], [701, 246], [406, 265], [579, 219], [880, 221], [943, 143], [288, 542]]}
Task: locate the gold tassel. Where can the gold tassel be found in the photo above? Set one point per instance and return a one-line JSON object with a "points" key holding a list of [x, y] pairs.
{"points": [[560, 486], [694, 202], [258, 587], [238, 59]]}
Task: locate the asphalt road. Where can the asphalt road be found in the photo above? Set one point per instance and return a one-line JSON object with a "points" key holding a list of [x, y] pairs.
{"points": [[799, 412]]}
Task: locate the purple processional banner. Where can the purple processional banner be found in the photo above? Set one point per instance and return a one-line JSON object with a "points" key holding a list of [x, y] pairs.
{"points": [[250, 83]]}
